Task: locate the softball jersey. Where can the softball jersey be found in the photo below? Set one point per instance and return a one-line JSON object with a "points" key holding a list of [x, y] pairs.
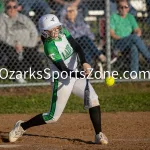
{"points": [[62, 54]]}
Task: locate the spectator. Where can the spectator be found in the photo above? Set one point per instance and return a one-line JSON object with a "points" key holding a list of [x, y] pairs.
{"points": [[18, 36], [58, 5], [127, 34], [34, 9], [82, 34], [113, 8]]}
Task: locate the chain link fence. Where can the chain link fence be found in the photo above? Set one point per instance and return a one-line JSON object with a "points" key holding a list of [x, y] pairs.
{"points": [[135, 57], [21, 49]]}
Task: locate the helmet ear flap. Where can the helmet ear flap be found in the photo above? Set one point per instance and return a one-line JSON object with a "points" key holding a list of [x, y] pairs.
{"points": [[45, 34]]}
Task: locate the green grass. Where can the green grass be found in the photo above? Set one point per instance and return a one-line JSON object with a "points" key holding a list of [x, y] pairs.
{"points": [[125, 97], [121, 97]]}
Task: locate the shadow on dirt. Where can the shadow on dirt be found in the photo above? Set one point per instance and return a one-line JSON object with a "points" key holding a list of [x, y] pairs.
{"points": [[4, 138]]}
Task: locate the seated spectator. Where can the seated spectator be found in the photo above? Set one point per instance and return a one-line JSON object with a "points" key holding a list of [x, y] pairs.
{"points": [[82, 34], [34, 9], [127, 34], [18, 38], [113, 8], [58, 5]]}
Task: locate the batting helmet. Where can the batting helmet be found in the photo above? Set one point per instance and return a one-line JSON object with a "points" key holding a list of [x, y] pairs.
{"points": [[48, 22]]}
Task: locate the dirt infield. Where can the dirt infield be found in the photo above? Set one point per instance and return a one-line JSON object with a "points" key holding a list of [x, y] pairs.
{"points": [[127, 131]]}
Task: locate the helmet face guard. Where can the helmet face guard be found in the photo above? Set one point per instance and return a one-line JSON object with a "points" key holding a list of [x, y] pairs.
{"points": [[54, 33], [47, 23]]}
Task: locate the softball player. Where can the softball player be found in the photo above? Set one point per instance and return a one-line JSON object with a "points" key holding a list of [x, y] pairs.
{"points": [[63, 51]]}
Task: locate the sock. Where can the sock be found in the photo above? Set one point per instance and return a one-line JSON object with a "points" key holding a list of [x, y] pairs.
{"points": [[95, 116], [35, 121]]}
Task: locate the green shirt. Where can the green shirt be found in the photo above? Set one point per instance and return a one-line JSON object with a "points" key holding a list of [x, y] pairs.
{"points": [[123, 26]]}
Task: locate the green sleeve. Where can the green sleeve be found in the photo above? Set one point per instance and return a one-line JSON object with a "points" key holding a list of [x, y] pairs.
{"points": [[66, 32], [134, 22], [112, 22], [51, 51]]}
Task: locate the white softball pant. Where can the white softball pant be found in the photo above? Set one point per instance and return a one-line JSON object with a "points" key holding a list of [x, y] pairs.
{"points": [[62, 90]]}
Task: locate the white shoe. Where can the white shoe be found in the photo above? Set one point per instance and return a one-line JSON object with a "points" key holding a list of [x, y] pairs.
{"points": [[101, 139], [21, 80], [17, 132]]}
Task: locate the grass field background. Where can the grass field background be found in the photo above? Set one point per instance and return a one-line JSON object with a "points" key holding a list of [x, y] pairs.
{"points": [[120, 97]]}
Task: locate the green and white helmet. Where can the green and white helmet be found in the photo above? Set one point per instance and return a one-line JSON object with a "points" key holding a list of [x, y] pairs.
{"points": [[48, 22]]}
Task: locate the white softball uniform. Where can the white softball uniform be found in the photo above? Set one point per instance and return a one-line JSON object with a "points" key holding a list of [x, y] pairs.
{"points": [[57, 50]]}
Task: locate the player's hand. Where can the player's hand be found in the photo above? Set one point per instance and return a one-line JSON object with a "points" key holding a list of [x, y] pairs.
{"points": [[86, 68]]}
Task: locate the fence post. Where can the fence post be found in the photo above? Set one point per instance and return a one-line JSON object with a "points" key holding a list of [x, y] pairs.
{"points": [[108, 43]]}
